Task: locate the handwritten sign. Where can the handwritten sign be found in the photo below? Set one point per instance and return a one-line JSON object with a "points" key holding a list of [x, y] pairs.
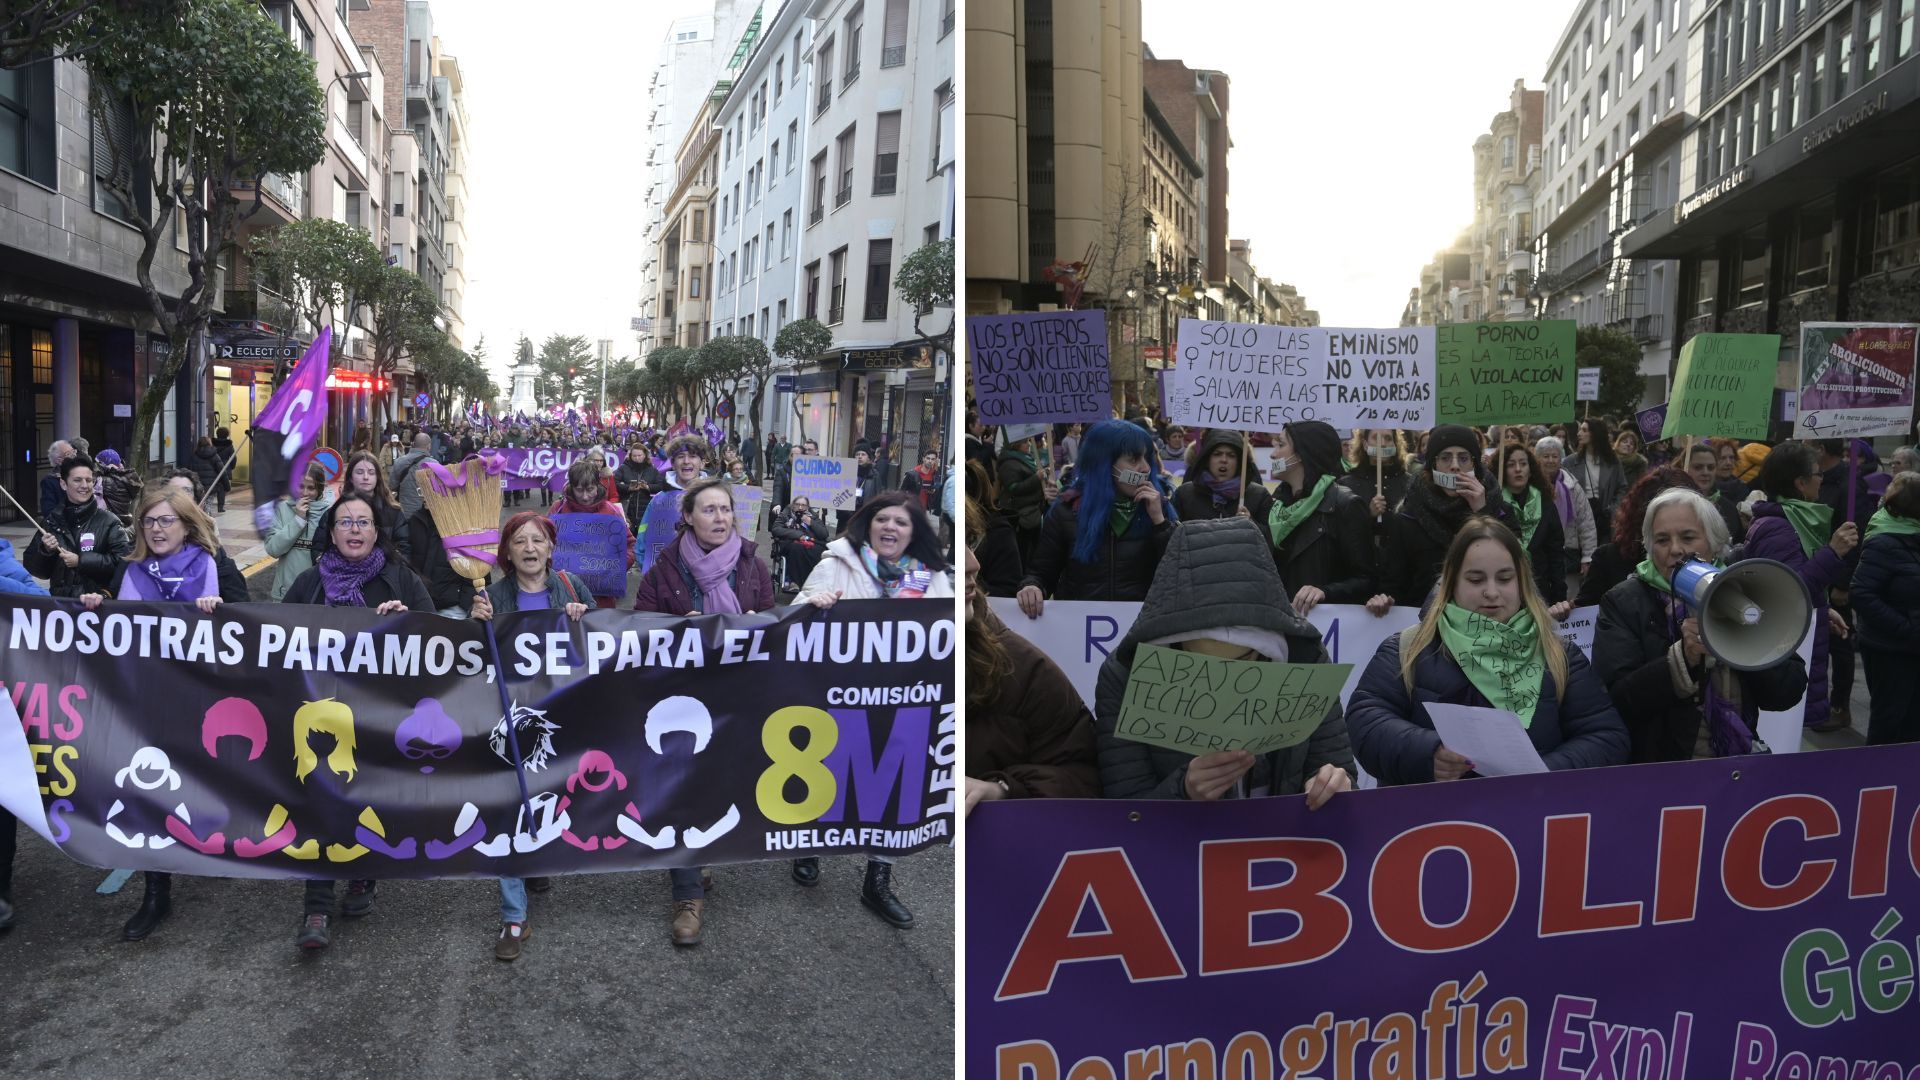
{"points": [[827, 483], [1506, 372], [1048, 366], [1198, 704], [746, 508], [1589, 384], [594, 546], [658, 526], [1249, 377], [1855, 379], [1723, 386]]}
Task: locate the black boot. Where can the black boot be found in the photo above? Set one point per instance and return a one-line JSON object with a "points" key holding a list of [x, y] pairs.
{"points": [[877, 895], [6, 913], [153, 907], [807, 871]]}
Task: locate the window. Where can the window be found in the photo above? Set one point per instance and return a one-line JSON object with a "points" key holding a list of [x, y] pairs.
{"points": [[769, 248], [1506, 151], [1812, 246], [1790, 91], [779, 74], [693, 282], [843, 147], [1873, 28], [1659, 25], [786, 234], [1843, 62], [1603, 95], [886, 153], [793, 144], [736, 203], [781, 322], [699, 224], [879, 278], [812, 309], [1633, 125], [1770, 123], [1586, 118], [747, 261], [1586, 51], [1903, 43], [1638, 43], [942, 103], [1890, 222], [723, 207], [1672, 86], [854, 23], [946, 17], [1606, 26], [817, 190], [114, 142], [837, 276], [1816, 74], [893, 41], [796, 59], [26, 122], [823, 67], [726, 150]]}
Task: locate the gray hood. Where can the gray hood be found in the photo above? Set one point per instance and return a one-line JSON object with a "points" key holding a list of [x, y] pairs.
{"points": [[1217, 574]]}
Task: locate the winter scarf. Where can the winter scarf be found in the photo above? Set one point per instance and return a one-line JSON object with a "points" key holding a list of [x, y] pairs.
{"points": [[1884, 522], [1223, 491], [187, 574], [1283, 519], [710, 570], [1528, 512], [344, 579], [1501, 659], [904, 579]]}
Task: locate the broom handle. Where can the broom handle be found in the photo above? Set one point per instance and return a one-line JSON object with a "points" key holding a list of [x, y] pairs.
{"points": [[506, 710]]}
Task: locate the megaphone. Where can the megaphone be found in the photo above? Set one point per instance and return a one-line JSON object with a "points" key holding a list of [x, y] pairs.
{"points": [[1752, 614]]}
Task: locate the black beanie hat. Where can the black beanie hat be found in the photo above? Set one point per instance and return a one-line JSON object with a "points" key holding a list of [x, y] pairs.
{"points": [[1447, 436], [1318, 447]]}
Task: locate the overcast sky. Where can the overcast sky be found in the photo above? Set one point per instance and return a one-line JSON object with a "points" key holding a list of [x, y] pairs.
{"points": [[556, 100], [1353, 128]]}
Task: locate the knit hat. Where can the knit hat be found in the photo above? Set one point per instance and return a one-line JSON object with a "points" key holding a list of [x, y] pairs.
{"points": [[108, 457], [1748, 461], [1448, 436], [1318, 448]]}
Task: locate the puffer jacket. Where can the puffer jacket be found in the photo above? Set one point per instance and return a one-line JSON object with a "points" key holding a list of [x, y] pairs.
{"points": [[1886, 593], [1772, 537], [1332, 550], [89, 530], [1419, 535], [841, 570], [1123, 566], [1214, 574], [1395, 738], [14, 578], [1032, 731]]}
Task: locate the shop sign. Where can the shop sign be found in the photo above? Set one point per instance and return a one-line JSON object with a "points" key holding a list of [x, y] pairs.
{"points": [[886, 359], [1686, 208]]}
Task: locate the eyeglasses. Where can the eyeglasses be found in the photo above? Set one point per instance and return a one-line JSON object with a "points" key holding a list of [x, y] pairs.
{"points": [[167, 522], [353, 524]]}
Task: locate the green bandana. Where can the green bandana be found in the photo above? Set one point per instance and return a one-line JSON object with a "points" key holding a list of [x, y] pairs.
{"points": [[1284, 519], [1812, 520], [1529, 513], [1883, 522], [1646, 572], [1121, 518], [1501, 659]]}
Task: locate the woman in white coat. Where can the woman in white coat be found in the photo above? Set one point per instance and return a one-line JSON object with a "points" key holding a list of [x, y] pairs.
{"points": [[889, 550]]}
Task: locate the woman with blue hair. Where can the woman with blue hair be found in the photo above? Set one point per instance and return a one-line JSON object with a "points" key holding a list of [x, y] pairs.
{"points": [[1103, 538]]}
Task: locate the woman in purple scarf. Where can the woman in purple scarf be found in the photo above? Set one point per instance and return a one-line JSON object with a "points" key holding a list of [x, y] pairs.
{"points": [[1215, 479], [708, 569], [172, 561]]}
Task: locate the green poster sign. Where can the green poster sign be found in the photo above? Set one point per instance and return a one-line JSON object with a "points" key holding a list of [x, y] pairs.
{"points": [[1198, 704], [1506, 372], [1723, 386]]}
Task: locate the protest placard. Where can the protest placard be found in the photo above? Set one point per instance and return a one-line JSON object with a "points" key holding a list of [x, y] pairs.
{"points": [[594, 546], [1723, 386], [1505, 372], [1197, 704], [1589, 384], [747, 499], [1047, 366], [1789, 405], [1650, 421], [1855, 379], [828, 483], [1260, 378]]}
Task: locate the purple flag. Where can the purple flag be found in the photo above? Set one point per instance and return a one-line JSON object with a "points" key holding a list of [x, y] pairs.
{"points": [[713, 432], [289, 429]]}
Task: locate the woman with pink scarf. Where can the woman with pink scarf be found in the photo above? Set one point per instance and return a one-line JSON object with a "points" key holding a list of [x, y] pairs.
{"points": [[708, 569]]}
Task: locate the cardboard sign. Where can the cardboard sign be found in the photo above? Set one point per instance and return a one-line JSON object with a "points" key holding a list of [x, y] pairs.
{"points": [[1249, 377], [1048, 367], [1506, 372], [1723, 386], [594, 546], [1855, 379], [1198, 704], [747, 500], [1589, 389], [827, 483]]}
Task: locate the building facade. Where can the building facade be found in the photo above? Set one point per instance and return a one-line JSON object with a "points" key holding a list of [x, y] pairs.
{"points": [[453, 288], [1506, 171]]}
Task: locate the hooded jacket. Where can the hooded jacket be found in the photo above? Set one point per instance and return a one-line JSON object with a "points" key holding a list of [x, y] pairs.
{"points": [[290, 540], [1214, 576], [1192, 500], [1419, 535]]}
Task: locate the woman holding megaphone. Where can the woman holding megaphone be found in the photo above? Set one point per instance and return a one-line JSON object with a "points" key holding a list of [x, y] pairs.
{"points": [[1648, 649]]}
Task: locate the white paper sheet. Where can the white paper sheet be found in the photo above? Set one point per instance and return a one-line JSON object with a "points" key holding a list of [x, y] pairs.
{"points": [[1490, 738]]}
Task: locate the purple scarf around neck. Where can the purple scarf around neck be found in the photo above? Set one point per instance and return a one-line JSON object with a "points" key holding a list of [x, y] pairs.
{"points": [[345, 580], [1223, 491], [187, 574], [1563, 498], [710, 570]]}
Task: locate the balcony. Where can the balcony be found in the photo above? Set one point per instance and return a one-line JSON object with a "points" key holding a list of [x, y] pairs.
{"points": [[261, 304], [1648, 329], [837, 305], [885, 183], [893, 56], [843, 196], [946, 24], [814, 215], [852, 76], [823, 99]]}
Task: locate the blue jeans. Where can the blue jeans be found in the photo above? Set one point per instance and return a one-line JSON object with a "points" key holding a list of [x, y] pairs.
{"points": [[686, 883], [513, 900]]}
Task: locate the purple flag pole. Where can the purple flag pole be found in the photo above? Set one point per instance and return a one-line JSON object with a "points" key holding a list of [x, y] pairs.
{"points": [[289, 429], [1853, 476]]}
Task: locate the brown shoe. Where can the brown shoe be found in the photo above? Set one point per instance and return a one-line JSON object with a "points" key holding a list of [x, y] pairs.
{"points": [[686, 921], [512, 936], [1837, 720]]}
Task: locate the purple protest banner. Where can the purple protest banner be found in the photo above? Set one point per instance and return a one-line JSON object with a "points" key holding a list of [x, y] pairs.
{"points": [[593, 546], [529, 468], [1650, 421], [1733, 918], [1855, 379], [1040, 367], [289, 429]]}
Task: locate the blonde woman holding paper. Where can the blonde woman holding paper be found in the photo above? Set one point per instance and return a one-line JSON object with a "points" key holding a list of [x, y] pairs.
{"points": [[1485, 640]]}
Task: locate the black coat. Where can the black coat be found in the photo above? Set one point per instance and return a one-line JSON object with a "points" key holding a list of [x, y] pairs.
{"points": [[1193, 502], [396, 581], [1419, 535], [428, 558], [999, 555], [1122, 568], [1360, 482], [1630, 643], [1886, 593], [1548, 552], [1332, 550], [1395, 740], [100, 557]]}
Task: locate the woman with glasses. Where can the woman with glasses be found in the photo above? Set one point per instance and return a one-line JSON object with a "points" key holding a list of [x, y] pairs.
{"points": [[172, 562], [1452, 488], [355, 565], [708, 569], [587, 494], [530, 583]]}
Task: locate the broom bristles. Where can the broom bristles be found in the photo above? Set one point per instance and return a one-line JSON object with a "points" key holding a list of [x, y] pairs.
{"points": [[470, 510]]}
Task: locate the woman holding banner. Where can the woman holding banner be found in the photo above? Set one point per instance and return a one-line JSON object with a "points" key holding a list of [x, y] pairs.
{"points": [[1450, 489], [172, 562], [587, 494], [889, 551], [1538, 520], [1377, 452], [1648, 650], [355, 565], [529, 584], [1214, 485], [1486, 640], [1217, 596], [1322, 540], [1103, 537], [1886, 597]]}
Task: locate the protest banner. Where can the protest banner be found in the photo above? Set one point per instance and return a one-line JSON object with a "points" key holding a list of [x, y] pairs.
{"points": [[1589, 384], [828, 483], [1505, 372], [747, 500], [296, 741], [1577, 630], [1789, 405], [1197, 704], [1250, 377], [1855, 379], [1047, 366], [1487, 927], [1650, 421], [593, 546], [1723, 386], [529, 468], [659, 525]]}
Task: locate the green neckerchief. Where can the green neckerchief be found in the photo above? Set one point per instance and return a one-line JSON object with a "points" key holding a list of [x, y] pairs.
{"points": [[1529, 514], [1883, 522], [1501, 659], [1121, 517], [1282, 520], [1813, 521], [1646, 572], [1020, 455]]}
